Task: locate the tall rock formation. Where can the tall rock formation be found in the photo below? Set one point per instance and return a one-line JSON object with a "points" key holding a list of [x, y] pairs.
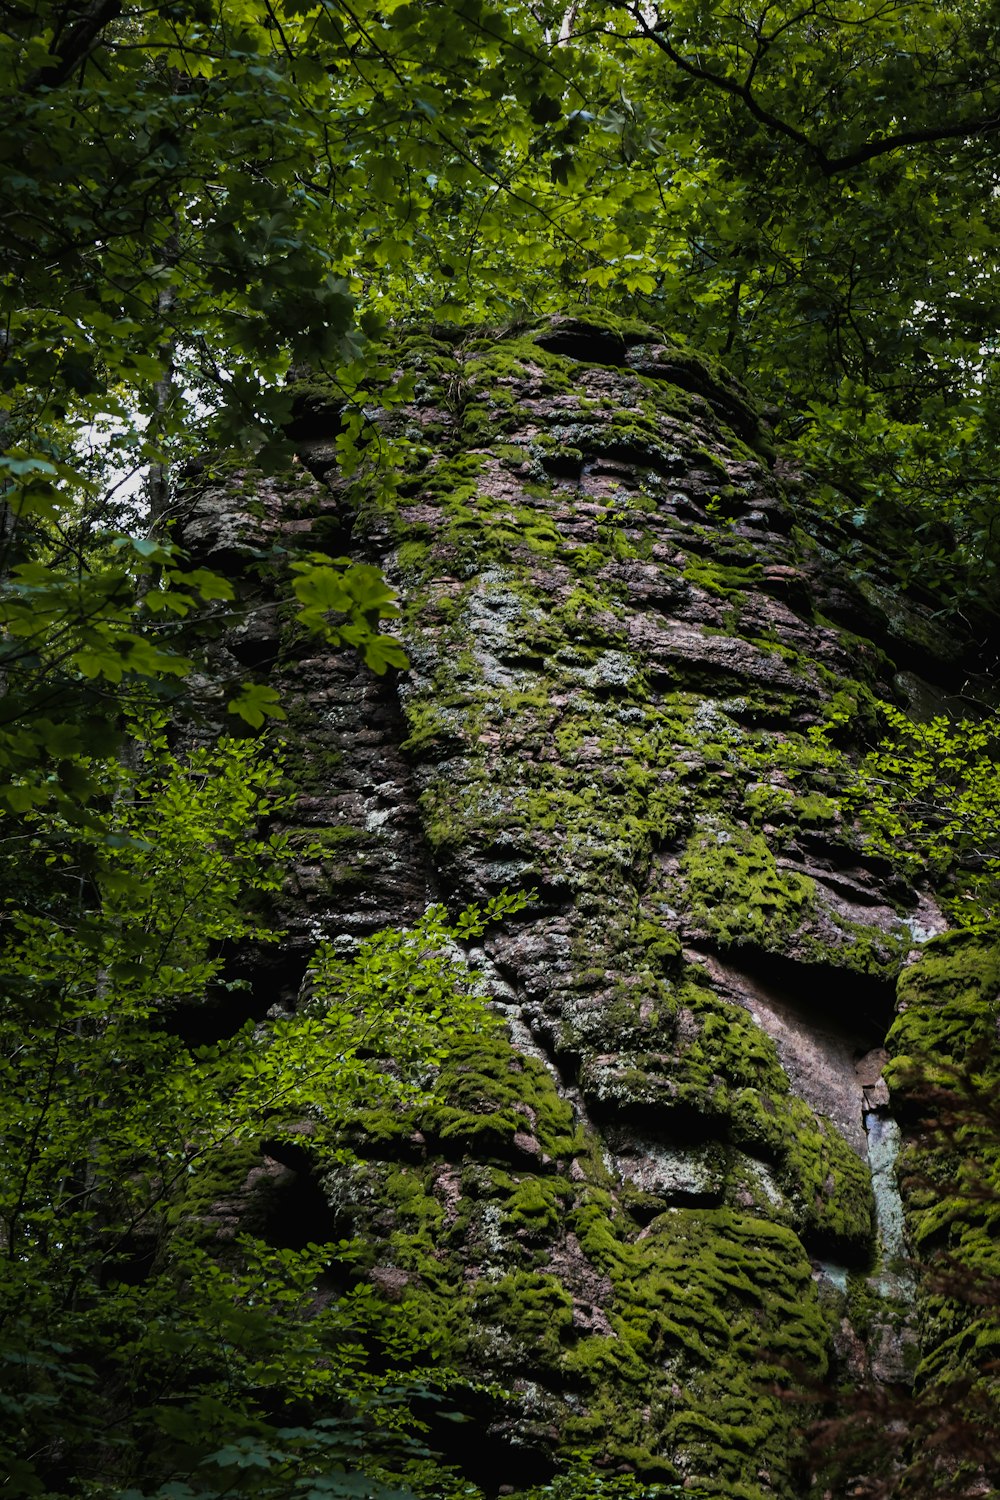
{"points": [[667, 1195]]}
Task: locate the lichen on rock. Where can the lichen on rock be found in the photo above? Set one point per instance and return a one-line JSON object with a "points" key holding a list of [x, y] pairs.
{"points": [[635, 1209]]}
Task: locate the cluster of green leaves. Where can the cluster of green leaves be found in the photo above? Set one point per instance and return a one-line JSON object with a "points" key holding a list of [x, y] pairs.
{"points": [[928, 796], [140, 1347], [85, 618], [197, 195], [206, 1382], [817, 205], [201, 199], [206, 198], [225, 191]]}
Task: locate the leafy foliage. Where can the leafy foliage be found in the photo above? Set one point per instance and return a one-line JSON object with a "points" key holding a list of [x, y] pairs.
{"points": [[807, 191], [929, 795], [820, 210], [123, 1147], [203, 200]]}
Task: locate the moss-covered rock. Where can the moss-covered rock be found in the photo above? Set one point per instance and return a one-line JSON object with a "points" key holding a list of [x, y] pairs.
{"points": [[628, 692], [945, 1080]]}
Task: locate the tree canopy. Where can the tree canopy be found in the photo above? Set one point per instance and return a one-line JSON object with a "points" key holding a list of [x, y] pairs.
{"points": [[201, 201], [202, 198]]}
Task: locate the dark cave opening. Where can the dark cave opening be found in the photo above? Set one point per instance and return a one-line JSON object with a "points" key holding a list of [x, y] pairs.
{"points": [[474, 1433], [254, 978], [299, 1212], [831, 997]]}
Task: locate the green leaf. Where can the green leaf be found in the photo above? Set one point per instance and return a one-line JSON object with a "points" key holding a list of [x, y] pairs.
{"points": [[255, 703], [382, 652]]}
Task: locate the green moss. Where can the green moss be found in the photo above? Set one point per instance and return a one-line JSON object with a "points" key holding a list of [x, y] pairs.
{"points": [[550, 739], [944, 1041], [537, 1206], [433, 723], [491, 362], [663, 945], [734, 889], [627, 327], [828, 1187], [719, 1301], [451, 481], [710, 1301], [322, 842], [413, 556], [947, 1003], [731, 583], [529, 1309], [492, 1079]]}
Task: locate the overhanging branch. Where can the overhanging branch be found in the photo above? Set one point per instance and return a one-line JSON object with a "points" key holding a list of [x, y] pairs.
{"points": [[830, 166]]}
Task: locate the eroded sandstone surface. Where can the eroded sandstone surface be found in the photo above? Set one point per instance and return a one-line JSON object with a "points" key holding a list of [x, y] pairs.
{"points": [[650, 1209]]}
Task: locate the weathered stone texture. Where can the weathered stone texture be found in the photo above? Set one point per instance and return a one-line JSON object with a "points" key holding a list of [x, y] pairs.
{"points": [[656, 1202]]}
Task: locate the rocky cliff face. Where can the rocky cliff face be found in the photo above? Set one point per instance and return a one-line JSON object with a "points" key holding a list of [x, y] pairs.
{"points": [[670, 1193]]}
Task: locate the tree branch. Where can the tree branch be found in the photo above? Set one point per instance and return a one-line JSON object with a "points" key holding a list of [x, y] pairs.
{"points": [[76, 46], [830, 166]]}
